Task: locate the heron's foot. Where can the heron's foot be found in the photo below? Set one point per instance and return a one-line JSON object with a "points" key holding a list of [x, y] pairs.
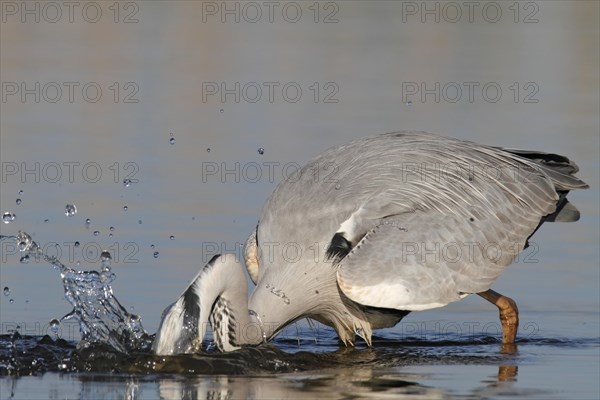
{"points": [[509, 314]]}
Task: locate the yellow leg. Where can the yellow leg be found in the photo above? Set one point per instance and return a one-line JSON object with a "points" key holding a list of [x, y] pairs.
{"points": [[509, 314], [507, 373]]}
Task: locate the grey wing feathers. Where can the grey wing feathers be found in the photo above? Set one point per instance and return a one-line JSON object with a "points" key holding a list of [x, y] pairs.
{"points": [[479, 201], [425, 260]]}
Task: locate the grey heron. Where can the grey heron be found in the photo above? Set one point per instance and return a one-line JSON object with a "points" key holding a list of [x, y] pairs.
{"points": [[374, 229]]}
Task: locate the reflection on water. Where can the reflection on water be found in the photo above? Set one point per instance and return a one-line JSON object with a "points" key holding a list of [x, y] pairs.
{"points": [[412, 370], [432, 368], [336, 384], [264, 372]]}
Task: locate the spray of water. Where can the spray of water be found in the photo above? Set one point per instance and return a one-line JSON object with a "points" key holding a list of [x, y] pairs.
{"points": [[102, 319]]}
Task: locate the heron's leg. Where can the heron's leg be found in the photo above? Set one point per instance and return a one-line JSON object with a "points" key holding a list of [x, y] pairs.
{"points": [[509, 314]]}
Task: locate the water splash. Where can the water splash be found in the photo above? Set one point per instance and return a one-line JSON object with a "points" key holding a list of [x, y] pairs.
{"points": [[102, 319]]}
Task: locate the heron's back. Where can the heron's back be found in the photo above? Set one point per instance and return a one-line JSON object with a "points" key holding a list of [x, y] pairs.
{"points": [[415, 171]]}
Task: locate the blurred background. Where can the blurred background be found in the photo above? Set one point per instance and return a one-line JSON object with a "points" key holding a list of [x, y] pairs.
{"points": [[167, 125]]}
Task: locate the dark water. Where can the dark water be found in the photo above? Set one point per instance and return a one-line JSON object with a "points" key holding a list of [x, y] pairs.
{"points": [[152, 66], [432, 368]]}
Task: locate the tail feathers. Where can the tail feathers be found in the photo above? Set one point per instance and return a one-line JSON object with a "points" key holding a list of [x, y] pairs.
{"points": [[561, 171], [559, 168], [565, 212], [554, 161]]}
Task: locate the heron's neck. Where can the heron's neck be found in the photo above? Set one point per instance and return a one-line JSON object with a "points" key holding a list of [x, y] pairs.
{"points": [[217, 295], [233, 325]]}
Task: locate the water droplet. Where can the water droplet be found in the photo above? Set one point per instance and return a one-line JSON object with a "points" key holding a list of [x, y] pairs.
{"points": [[261, 151], [70, 210], [112, 228], [11, 301], [172, 237], [77, 244], [24, 259], [172, 140], [6, 290], [106, 259], [18, 201], [151, 246], [21, 192], [46, 220], [7, 217], [208, 149], [133, 319], [96, 233], [221, 111], [127, 182], [337, 186], [286, 300], [139, 221], [25, 242], [409, 103], [155, 254], [125, 208], [53, 325]]}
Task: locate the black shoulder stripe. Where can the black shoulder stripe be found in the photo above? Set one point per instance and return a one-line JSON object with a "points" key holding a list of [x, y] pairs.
{"points": [[191, 303], [338, 248], [213, 259]]}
